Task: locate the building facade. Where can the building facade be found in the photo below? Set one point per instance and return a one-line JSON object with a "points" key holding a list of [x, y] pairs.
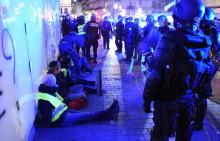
{"points": [[124, 7], [133, 7], [65, 7], [215, 4]]}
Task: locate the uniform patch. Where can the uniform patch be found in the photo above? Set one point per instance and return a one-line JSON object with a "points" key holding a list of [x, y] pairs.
{"points": [[94, 24]]}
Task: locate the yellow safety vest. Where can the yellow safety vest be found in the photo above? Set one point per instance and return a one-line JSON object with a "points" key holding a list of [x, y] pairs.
{"points": [[57, 102], [80, 29], [64, 71]]}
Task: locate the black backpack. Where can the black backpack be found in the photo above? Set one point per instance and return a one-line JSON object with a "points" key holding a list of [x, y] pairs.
{"points": [[191, 67]]}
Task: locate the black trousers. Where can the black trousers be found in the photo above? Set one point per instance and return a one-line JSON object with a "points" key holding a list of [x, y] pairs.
{"points": [[106, 40], [90, 43], [172, 115], [200, 107], [118, 43]]}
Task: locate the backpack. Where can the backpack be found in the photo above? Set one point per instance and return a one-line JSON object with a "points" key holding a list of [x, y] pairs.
{"points": [[191, 67]]}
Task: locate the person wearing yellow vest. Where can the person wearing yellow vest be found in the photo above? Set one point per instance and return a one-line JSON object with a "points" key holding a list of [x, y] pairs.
{"points": [[81, 34], [65, 82], [52, 111]]}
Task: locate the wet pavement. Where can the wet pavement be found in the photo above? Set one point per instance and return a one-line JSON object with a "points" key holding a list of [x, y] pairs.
{"points": [[123, 82]]}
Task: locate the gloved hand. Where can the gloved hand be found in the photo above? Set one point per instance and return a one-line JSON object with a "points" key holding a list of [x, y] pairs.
{"points": [[147, 107]]}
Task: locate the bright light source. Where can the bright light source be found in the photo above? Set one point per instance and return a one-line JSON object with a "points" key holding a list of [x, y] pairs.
{"points": [[104, 10], [123, 12], [115, 6], [169, 5], [139, 11]]}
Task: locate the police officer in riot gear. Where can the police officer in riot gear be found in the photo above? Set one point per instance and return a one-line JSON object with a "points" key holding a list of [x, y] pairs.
{"points": [[136, 39], [119, 34], [92, 37], [150, 24], [209, 28], [106, 29], [163, 24], [129, 38], [180, 69]]}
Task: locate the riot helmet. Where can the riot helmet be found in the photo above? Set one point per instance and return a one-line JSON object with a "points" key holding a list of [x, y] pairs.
{"points": [[93, 18], [136, 20], [81, 19], [162, 20], [209, 14], [150, 19], [67, 16], [126, 20], [130, 19], [207, 22], [187, 14], [120, 18], [105, 18]]}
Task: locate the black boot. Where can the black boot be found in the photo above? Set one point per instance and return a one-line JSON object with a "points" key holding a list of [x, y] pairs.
{"points": [[110, 114], [89, 90], [197, 126], [112, 111]]}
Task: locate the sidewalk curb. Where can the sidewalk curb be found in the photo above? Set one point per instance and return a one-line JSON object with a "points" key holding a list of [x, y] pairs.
{"points": [[213, 119]]}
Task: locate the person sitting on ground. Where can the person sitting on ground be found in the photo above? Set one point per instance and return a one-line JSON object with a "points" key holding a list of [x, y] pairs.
{"points": [[66, 64], [74, 95], [67, 88], [52, 112], [66, 81]]}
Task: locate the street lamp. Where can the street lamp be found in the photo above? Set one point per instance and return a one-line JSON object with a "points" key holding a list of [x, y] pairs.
{"points": [[115, 6], [115, 9], [139, 12], [123, 13]]}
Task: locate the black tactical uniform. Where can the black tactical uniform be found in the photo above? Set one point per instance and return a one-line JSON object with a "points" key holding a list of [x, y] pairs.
{"points": [[92, 37], [119, 34], [210, 29], [180, 69]]}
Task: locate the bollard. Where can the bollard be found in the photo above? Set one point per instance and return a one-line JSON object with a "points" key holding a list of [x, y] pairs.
{"points": [[99, 82]]}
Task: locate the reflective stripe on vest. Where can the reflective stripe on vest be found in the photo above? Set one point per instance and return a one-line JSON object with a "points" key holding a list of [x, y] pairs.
{"points": [[59, 97], [64, 71], [60, 107], [80, 29]]}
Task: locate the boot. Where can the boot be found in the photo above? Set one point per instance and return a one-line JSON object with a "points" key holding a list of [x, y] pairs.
{"points": [[112, 111], [110, 114], [89, 90], [197, 126]]}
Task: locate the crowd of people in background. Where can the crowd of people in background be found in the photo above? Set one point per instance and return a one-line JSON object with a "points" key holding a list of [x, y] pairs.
{"points": [[152, 47]]}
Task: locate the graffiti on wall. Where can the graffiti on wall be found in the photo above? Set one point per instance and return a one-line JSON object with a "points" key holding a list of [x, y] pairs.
{"points": [[6, 41], [6, 34]]}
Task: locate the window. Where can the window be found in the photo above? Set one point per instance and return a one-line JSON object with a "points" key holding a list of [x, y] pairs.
{"points": [[65, 10]]}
